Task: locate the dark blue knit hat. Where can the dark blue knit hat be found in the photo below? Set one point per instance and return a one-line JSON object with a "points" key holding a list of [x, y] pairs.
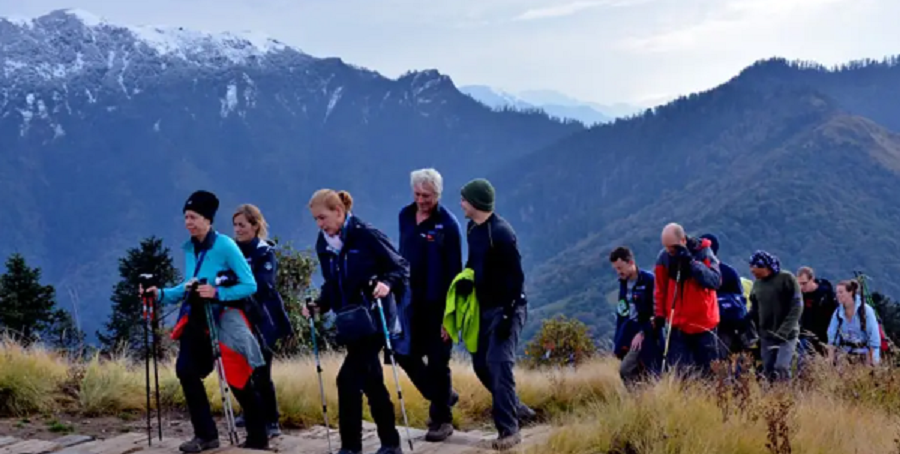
{"points": [[762, 259]]}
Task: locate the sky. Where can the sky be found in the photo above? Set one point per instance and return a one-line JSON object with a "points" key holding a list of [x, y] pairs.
{"points": [[606, 51]]}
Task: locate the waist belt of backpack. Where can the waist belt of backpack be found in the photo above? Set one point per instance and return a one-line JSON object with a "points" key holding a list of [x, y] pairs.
{"points": [[853, 344]]}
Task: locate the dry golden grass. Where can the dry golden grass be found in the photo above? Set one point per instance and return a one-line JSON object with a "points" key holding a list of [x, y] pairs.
{"points": [[847, 411]]}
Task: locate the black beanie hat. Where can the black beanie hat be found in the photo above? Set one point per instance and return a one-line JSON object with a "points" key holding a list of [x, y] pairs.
{"points": [[714, 240], [480, 194], [204, 203]]}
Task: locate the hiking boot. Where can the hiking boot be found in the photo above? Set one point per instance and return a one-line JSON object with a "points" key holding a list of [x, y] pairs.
{"points": [[198, 444], [507, 442], [273, 430], [439, 432], [389, 450], [526, 415], [347, 451], [239, 421]]}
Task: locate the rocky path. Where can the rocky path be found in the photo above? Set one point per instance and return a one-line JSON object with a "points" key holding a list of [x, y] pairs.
{"points": [[313, 441]]}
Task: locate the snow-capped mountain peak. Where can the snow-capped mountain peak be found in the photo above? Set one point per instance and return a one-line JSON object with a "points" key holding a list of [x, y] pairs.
{"points": [[90, 35]]}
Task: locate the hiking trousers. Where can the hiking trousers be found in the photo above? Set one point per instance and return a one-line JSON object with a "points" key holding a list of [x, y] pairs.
{"points": [[266, 388], [360, 374], [695, 351], [777, 357], [194, 363], [432, 379], [493, 363]]}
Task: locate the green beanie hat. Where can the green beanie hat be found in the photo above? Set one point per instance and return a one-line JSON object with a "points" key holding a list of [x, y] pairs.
{"points": [[480, 194]]}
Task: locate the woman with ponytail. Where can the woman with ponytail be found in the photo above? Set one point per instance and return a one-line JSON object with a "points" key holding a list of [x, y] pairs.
{"points": [[854, 327], [359, 264]]}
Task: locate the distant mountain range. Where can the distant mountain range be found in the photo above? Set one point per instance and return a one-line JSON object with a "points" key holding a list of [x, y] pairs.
{"points": [[106, 129], [552, 102], [790, 157]]}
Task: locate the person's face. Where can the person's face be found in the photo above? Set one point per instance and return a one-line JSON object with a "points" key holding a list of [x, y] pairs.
{"points": [[329, 221], [195, 224], [844, 297], [806, 284], [467, 208], [671, 242], [243, 230], [426, 198], [760, 273], [624, 269]]}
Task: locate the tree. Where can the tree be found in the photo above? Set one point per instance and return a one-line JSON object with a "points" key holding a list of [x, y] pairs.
{"points": [[294, 283], [560, 341], [125, 327], [63, 334], [26, 306]]}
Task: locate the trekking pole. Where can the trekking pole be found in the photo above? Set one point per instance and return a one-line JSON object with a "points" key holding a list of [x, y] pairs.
{"points": [[387, 339], [224, 389], [671, 318], [155, 327], [147, 366], [312, 330]]}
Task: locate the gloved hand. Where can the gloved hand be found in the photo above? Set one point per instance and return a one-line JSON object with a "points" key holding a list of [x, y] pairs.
{"points": [[464, 288], [504, 326]]}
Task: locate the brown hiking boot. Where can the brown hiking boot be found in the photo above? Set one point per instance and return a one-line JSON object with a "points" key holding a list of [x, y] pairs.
{"points": [[439, 432], [507, 442]]}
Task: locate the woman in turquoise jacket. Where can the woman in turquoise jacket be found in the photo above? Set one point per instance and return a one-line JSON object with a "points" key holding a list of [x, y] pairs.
{"points": [[209, 255]]}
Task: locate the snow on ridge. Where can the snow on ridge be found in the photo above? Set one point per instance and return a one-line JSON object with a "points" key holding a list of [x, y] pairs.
{"points": [[86, 17], [182, 41]]}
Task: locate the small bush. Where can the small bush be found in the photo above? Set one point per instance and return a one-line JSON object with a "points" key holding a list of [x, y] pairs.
{"points": [[561, 341]]}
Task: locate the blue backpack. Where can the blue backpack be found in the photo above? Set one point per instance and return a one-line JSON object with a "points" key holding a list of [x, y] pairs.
{"points": [[732, 307]]}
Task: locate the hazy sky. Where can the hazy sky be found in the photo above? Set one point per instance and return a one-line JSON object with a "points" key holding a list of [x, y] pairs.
{"points": [[599, 50]]}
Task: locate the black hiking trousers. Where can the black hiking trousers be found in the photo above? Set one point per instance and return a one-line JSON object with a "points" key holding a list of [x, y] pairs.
{"points": [[493, 363], [360, 374], [428, 367], [194, 363], [266, 388]]}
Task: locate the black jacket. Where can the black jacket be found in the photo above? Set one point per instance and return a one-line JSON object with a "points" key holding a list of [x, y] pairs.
{"points": [[494, 256], [366, 253]]}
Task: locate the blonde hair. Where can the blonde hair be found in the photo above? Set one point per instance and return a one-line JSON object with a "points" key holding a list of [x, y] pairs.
{"points": [[255, 218], [333, 200]]}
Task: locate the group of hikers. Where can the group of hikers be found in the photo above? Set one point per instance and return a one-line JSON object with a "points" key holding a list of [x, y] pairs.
{"points": [[692, 309], [414, 303]]}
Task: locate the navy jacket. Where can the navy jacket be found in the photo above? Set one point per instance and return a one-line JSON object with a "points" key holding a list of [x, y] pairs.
{"points": [[634, 314], [433, 250], [494, 256], [366, 253], [271, 318]]}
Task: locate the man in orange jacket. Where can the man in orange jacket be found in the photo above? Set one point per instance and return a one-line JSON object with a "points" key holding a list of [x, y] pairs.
{"points": [[687, 276]]}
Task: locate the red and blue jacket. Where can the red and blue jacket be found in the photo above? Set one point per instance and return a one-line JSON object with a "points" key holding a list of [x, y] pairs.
{"points": [[695, 300], [216, 254]]}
